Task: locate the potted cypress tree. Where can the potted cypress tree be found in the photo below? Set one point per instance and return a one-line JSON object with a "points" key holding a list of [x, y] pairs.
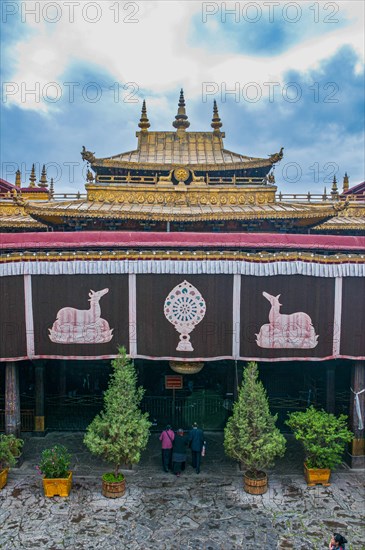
{"points": [[120, 432], [324, 437], [250, 435]]}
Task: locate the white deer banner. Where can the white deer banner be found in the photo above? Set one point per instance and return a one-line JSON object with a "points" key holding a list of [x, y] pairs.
{"points": [[82, 326], [84, 315], [293, 317], [182, 317]]}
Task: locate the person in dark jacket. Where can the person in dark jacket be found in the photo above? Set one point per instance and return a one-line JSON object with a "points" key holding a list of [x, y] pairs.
{"points": [[179, 452], [196, 442]]}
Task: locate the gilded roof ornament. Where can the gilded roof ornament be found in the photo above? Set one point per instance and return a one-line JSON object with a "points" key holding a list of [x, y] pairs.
{"points": [[32, 178], [90, 177], [275, 157], [271, 178], [51, 189], [334, 189], [216, 121], [342, 205], [181, 120], [144, 123], [18, 199], [18, 181], [87, 155], [43, 181], [345, 182]]}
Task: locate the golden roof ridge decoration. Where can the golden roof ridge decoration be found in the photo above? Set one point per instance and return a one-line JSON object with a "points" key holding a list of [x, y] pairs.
{"points": [[166, 150], [181, 122], [32, 178], [144, 123], [216, 121]]}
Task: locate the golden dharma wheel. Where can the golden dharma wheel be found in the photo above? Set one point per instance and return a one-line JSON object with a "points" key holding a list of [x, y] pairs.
{"points": [[182, 367], [181, 174]]}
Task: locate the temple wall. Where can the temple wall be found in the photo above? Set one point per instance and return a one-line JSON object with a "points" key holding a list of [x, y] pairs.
{"points": [[182, 310]]}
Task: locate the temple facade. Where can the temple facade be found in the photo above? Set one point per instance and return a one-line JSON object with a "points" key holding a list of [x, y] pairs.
{"points": [[184, 253]]}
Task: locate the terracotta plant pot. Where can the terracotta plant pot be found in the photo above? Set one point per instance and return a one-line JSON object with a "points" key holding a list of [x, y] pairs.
{"points": [[113, 489], [57, 487], [3, 477], [317, 476], [255, 485]]}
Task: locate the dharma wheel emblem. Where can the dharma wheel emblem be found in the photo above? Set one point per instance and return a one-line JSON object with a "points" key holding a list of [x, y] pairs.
{"points": [[181, 174], [184, 308]]}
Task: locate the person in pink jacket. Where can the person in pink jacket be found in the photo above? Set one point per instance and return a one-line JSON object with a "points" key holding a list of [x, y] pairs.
{"points": [[167, 438]]}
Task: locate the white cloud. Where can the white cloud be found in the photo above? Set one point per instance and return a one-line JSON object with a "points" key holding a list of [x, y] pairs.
{"points": [[156, 52]]}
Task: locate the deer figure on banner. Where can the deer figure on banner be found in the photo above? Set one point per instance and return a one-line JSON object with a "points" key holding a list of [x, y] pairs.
{"points": [[294, 330], [82, 326]]}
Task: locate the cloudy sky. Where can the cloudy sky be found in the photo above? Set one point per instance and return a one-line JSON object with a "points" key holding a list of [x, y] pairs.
{"points": [[283, 73]]}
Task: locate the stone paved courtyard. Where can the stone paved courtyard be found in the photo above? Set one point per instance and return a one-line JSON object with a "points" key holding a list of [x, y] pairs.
{"points": [[160, 511]]}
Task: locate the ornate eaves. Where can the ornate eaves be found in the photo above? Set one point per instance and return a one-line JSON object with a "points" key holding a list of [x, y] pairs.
{"points": [[173, 212]]}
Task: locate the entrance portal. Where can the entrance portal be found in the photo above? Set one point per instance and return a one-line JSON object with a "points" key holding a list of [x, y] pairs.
{"points": [[205, 397]]}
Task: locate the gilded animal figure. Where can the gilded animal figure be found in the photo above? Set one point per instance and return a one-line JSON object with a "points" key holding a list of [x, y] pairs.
{"points": [[87, 155]]}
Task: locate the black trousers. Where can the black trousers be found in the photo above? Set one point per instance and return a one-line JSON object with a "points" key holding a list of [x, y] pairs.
{"points": [[196, 459], [166, 459]]}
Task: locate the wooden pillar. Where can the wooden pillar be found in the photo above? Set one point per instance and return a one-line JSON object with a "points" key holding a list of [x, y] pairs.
{"points": [[39, 398], [12, 399], [330, 389], [357, 450]]}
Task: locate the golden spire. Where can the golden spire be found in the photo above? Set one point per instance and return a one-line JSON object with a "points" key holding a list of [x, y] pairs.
{"points": [[144, 123], [181, 120], [51, 189], [32, 178], [216, 121], [334, 190], [345, 183], [43, 181], [18, 180]]}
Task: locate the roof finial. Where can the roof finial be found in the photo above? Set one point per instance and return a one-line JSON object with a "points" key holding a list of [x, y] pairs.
{"points": [[51, 189], [334, 190], [345, 183], [18, 179], [144, 123], [32, 177], [43, 181], [181, 120], [216, 121]]}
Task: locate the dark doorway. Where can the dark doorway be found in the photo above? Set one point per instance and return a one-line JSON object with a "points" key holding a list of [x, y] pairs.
{"points": [[74, 393], [205, 398]]}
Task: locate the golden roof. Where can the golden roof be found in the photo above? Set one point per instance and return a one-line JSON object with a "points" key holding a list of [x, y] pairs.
{"points": [[177, 212], [204, 150], [13, 215], [351, 218]]}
